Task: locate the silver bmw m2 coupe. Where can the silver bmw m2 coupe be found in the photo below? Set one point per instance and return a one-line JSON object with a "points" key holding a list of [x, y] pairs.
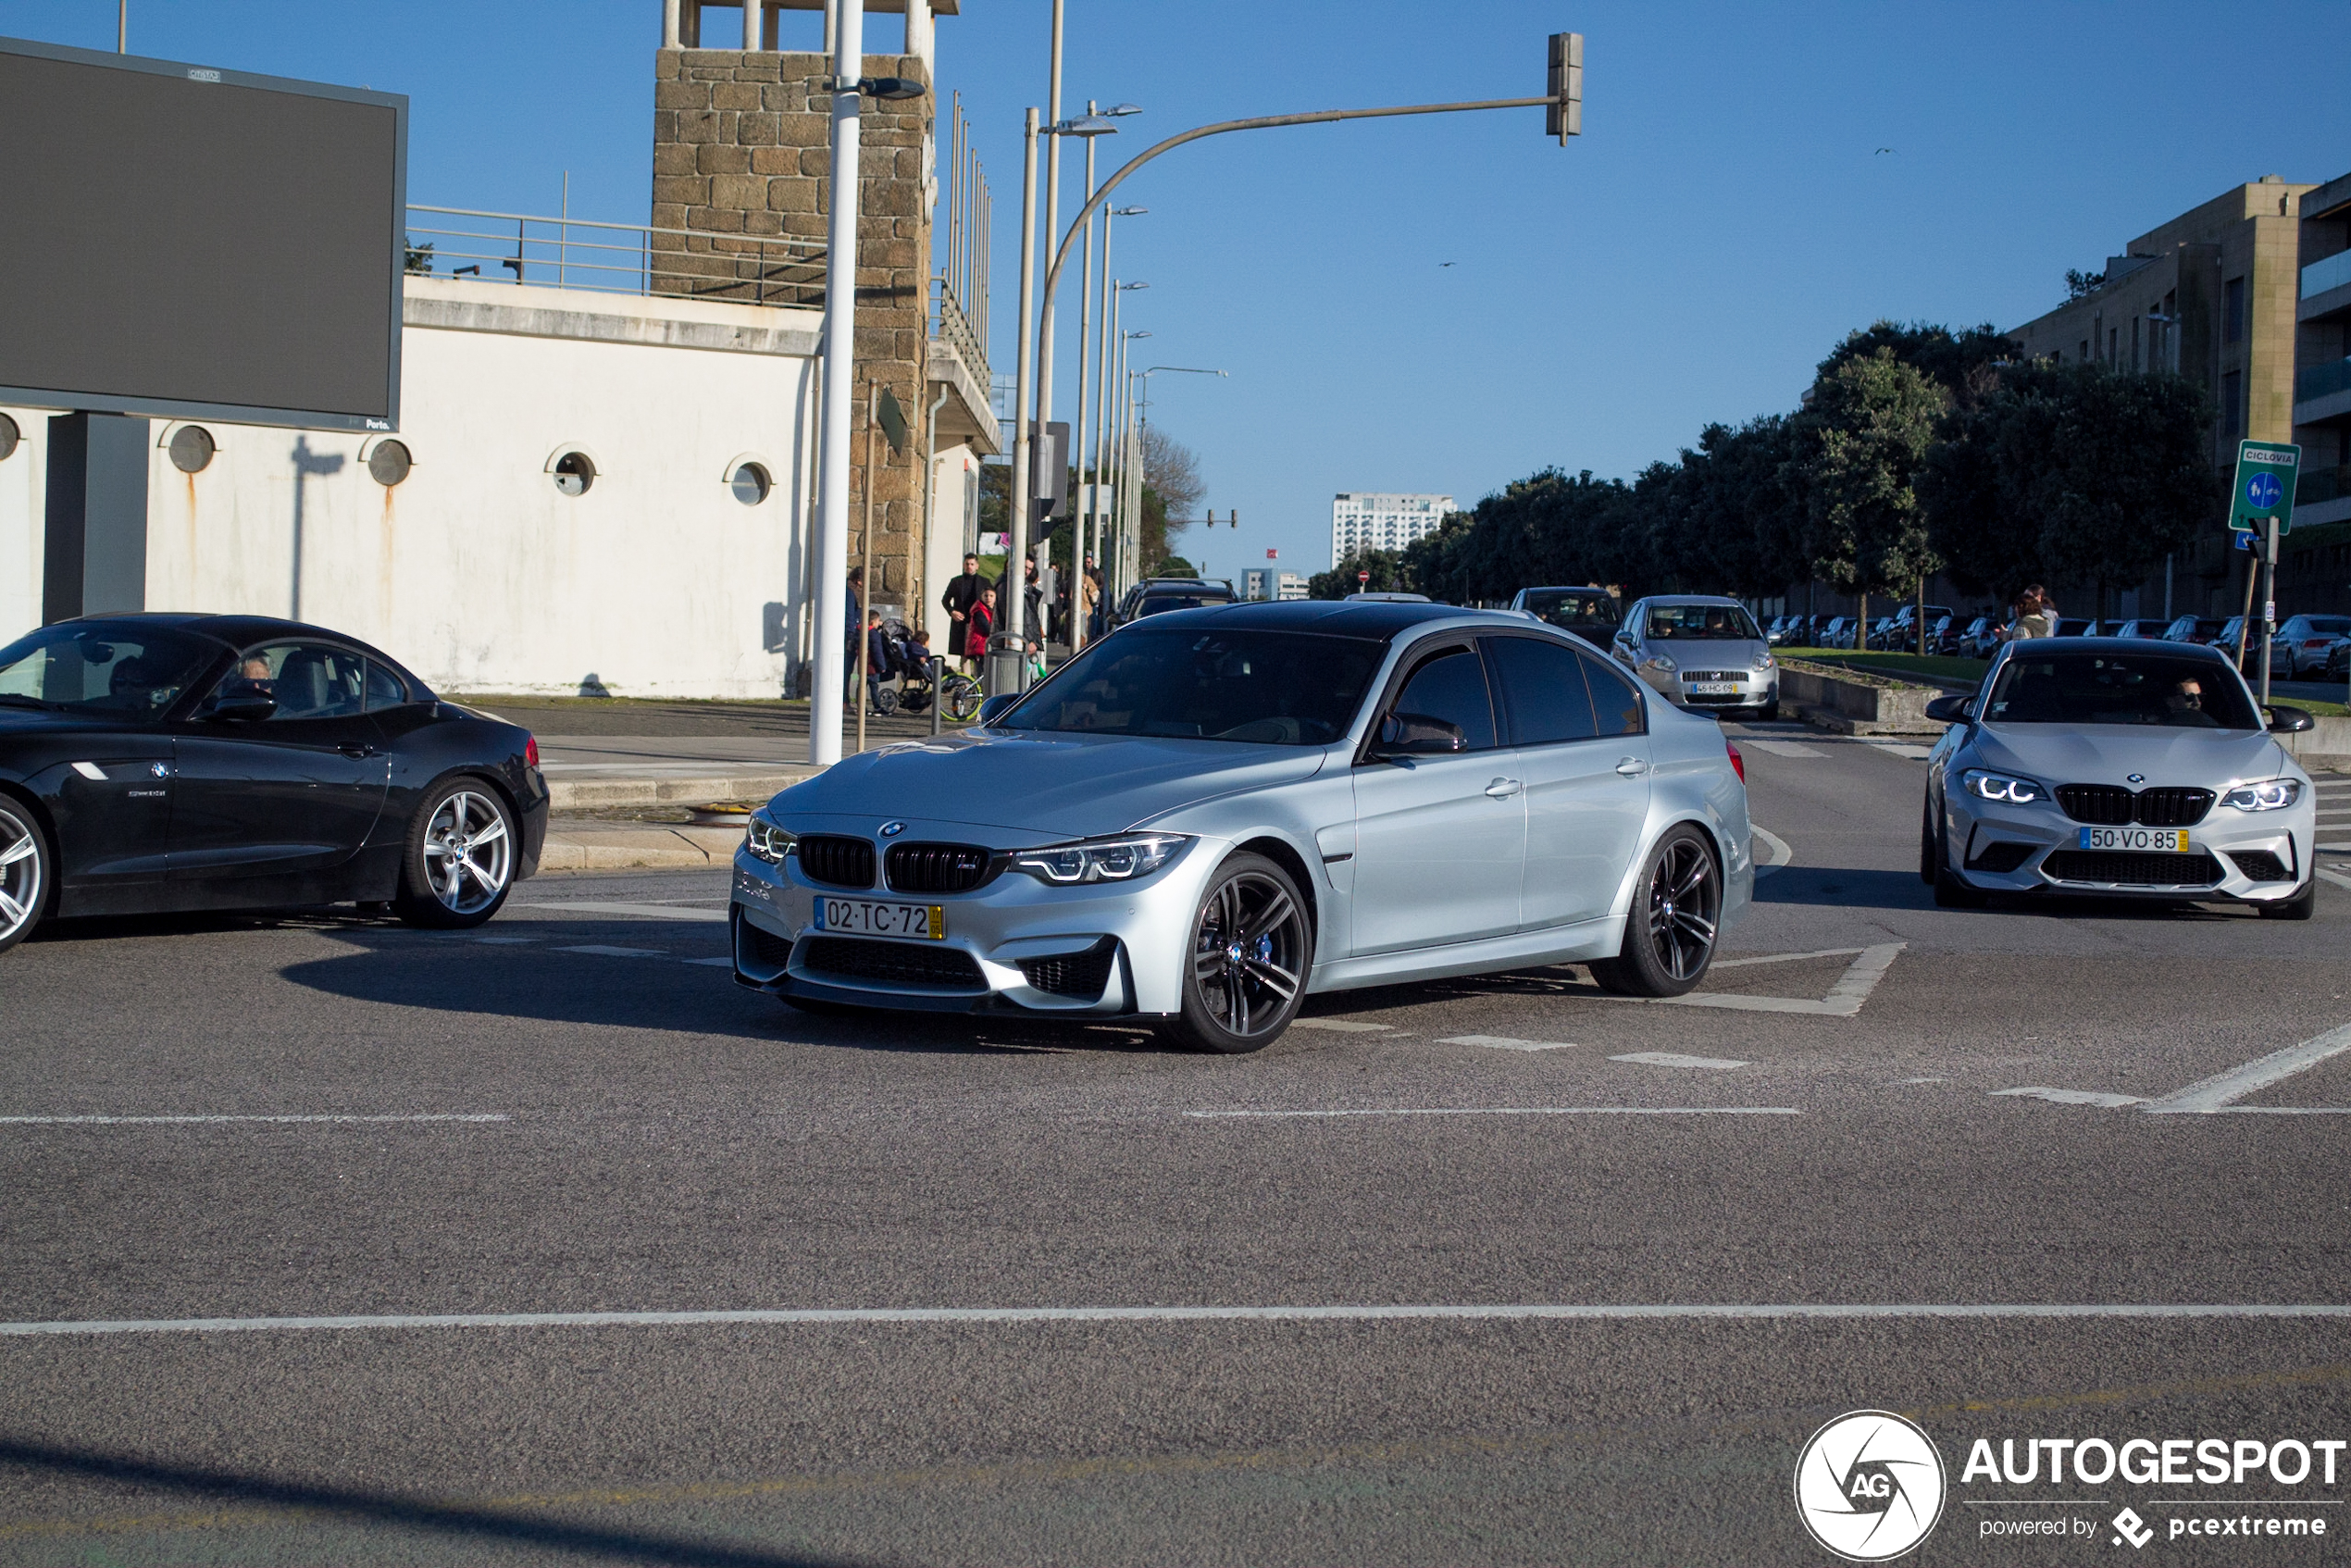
{"points": [[1209, 815]]}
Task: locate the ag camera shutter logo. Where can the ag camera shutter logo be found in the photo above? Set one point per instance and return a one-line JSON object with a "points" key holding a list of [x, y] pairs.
{"points": [[1870, 1485]]}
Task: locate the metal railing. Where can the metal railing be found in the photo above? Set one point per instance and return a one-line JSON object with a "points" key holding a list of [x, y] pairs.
{"points": [[950, 326], [2332, 273], [617, 258], [2322, 380]]}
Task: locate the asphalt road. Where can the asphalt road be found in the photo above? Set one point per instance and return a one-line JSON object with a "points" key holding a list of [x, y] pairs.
{"points": [[1834, 1132]]}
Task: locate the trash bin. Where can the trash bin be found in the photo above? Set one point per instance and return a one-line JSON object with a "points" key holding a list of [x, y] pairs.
{"points": [[1007, 667]]}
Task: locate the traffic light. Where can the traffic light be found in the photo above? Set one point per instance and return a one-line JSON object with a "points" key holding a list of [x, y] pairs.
{"points": [[1565, 117]]}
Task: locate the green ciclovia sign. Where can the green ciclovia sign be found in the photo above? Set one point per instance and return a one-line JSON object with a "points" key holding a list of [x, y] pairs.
{"points": [[2263, 488]]}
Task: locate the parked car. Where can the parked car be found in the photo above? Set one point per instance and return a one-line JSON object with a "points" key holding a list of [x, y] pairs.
{"points": [[2115, 768], [1837, 633], [2149, 630], [1902, 631], [1982, 638], [1700, 653], [159, 763], [1591, 613], [2194, 629], [1209, 815], [1776, 630], [2069, 626], [2339, 661], [2305, 642], [1157, 595]]}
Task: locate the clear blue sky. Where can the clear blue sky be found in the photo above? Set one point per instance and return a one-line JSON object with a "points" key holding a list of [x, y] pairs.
{"points": [[1725, 219]]}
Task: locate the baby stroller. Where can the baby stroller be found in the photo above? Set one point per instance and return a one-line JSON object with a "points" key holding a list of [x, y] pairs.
{"points": [[914, 692]]}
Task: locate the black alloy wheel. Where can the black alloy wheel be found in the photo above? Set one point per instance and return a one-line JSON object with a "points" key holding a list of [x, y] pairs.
{"points": [[458, 865], [1670, 932], [1245, 965], [24, 872]]}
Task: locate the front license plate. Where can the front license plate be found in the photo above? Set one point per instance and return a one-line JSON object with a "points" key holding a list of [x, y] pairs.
{"points": [[1713, 688], [865, 918], [2168, 840]]}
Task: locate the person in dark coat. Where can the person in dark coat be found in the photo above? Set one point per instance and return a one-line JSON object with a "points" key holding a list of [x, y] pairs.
{"points": [[962, 593]]}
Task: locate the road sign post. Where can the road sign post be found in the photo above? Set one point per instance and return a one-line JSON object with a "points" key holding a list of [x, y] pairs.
{"points": [[2261, 499]]}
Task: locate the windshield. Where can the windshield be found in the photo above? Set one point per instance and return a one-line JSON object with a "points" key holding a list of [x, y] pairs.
{"points": [[1582, 611], [1710, 623], [1267, 688], [2167, 689], [1159, 603], [2331, 626], [99, 668]]}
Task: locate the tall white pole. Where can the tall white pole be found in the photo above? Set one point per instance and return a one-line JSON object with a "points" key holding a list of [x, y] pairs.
{"points": [[1081, 544], [1010, 592], [841, 370], [1101, 405], [1045, 357]]}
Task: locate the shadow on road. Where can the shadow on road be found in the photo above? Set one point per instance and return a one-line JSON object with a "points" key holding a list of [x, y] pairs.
{"points": [[1844, 887], [459, 1521]]}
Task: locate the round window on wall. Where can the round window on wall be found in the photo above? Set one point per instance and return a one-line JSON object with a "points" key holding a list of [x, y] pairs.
{"points": [[389, 463], [750, 484], [9, 437], [192, 449], [574, 473]]}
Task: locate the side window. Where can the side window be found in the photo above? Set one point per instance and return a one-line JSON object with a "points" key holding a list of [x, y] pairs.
{"points": [[1616, 702], [384, 689], [1541, 685], [1450, 686], [308, 680]]}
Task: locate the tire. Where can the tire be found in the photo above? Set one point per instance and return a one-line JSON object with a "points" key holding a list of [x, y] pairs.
{"points": [[885, 700], [445, 886], [962, 699], [1768, 713], [26, 872], [2301, 906], [1930, 844], [1676, 915], [1246, 960]]}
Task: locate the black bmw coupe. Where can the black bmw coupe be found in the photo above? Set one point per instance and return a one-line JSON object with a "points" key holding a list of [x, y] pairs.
{"points": [[157, 763]]}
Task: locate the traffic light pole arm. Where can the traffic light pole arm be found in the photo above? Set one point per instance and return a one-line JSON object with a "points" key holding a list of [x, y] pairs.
{"points": [[1319, 117]]}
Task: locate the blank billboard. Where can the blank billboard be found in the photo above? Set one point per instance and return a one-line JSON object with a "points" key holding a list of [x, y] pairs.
{"points": [[191, 242]]}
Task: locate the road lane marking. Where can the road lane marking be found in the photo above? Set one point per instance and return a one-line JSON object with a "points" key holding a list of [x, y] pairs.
{"points": [[1902, 749], [1782, 748], [1897, 1082], [2075, 1097], [2337, 878], [1788, 957], [1844, 998], [2223, 1089], [505, 941], [1340, 1026], [1670, 1059], [1509, 1110], [646, 911], [1538, 1311], [1504, 1043], [615, 951], [712, 963], [1781, 854], [214, 1121]]}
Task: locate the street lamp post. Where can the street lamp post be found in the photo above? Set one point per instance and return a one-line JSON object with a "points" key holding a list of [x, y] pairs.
{"points": [[840, 323]]}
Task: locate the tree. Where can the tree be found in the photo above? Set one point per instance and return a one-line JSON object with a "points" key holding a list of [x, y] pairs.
{"points": [[1857, 449], [1388, 576], [1964, 362], [2081, 285], [1171, 489]]}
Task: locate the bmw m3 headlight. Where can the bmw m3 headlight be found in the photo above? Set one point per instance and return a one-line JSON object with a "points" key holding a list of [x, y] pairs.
{"points": [[768, 841], [1120, 859], [2001, 787], [2272, 794]]}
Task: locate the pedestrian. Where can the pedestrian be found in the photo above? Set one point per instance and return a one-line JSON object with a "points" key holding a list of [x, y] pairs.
{"points": [[1090, 594], [2035, 617], [880, 660], [962, 593], [980, 624], [1032, 602]]}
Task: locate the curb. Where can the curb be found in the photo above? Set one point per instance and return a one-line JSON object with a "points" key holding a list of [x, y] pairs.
{"points": [[577, 794], [589, 848]]}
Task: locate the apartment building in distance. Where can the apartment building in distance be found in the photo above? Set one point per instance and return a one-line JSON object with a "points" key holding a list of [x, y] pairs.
{"points": [[1363, 521], [1266, 582]]}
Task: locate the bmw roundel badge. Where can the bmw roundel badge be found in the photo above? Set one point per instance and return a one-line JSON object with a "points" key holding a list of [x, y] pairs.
{"points": [[2135, 777], [891, 829]]}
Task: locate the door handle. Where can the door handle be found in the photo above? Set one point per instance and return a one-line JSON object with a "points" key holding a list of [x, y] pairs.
{"points": [[1503, 789], [356, 750], [1631, 767]]}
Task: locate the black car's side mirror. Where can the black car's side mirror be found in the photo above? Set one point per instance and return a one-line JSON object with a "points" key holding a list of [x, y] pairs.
{"points": [[2289, 721], [993, 708], [1952, 709], [1407, 735], [244, 708]]}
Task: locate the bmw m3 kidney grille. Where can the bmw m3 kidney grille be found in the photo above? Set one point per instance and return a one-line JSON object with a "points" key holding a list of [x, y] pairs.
{"points": [[2133, 870], [892, 963], [936, 868], [836, 862], [2110, 805]]}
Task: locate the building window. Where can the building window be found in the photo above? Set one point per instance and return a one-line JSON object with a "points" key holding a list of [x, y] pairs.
{"points": [[2233, 311], [2233, 405], [2085, 351], [192, 448], [9, 437], [389, 463], [750, 484], [574, 472], [2135, 343]]}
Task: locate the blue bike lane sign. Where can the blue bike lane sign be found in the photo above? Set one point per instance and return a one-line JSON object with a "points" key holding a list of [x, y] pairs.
{"points": [[2264, 485]]}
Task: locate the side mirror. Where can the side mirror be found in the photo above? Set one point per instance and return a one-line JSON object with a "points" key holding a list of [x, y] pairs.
{"points": [[1403, 735], [244, 708], [1952, 710], [2289, 721], [993, 708]]}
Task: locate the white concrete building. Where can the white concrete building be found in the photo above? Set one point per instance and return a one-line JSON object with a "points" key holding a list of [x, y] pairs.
{"points": [[680, 567], [1268, 582], [1360, 520]]}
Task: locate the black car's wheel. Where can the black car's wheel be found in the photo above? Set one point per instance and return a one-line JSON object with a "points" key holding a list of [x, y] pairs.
{"points": [[1930, 844], [1246, 962], [1677, 909], [2301, 906], [460, 860], [24, 872]]}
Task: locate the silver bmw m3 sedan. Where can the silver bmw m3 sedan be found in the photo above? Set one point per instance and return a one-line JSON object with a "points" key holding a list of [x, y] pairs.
{"points": [[2116, 767], [1207, 816]]}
